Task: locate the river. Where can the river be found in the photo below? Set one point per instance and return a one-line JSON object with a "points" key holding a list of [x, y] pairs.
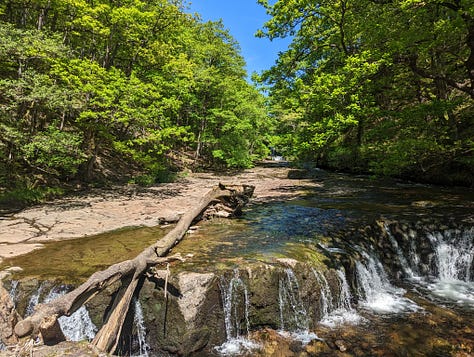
{"points": [[354, 265]]}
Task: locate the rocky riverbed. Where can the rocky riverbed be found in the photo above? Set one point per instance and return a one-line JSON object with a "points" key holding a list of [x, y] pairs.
{"points": [[103, 210]]}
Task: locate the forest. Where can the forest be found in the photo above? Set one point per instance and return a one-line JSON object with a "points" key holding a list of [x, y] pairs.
{"points": [[376, 86], [93, 91]]}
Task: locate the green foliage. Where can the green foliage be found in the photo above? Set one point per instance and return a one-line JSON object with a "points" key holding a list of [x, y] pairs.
{"points": [[85, 85], [55, 150], [380, 86], [22, 196]]}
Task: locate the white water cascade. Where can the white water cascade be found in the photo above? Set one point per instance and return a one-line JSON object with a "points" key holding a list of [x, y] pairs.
{"points": [[454, 256], [410, 264], [375, 290], [34, 300], [294, 321], [450, 272], [336, 309], [235, 301], [79, 325], [139, 324]]}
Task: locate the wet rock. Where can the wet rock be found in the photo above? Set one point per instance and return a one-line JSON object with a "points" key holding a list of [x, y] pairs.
{"points": [[317, 347], [272, 344], [99, 305], [189, 319], [8, 318], [341, 345], [263, 288]]}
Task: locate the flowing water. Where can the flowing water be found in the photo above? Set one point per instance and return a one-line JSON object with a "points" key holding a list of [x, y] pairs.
{"points": [[140, 335], [294, 319], [336, 309], [391, 267], [76, 327], [375, 291], [235, 301]]}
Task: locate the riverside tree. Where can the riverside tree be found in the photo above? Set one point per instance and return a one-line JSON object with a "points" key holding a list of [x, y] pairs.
{"points": [[90, 88], [379, 86]]}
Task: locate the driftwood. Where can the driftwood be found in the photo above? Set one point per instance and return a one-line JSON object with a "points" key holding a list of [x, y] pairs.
{"points": [[43, 322]]}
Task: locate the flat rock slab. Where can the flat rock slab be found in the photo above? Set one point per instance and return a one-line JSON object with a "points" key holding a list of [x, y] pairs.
{"points": [[11, 250], [101, 211]]}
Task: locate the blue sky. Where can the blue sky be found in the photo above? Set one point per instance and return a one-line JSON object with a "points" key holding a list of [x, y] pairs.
{"points": [[243, 18]]}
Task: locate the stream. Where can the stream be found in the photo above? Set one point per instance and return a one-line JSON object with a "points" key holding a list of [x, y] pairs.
{"points": [[358, 266]]}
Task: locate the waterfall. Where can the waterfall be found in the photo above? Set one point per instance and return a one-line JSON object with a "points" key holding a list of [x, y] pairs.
{"points": [[449, 273], [293, 315], [410, 270], [235, 302], [335, 309], [454, 252], [34, 300], [139, 324], [79, 325], [325, 294], [375, 290], [454, 256], [294, 321], [13, 291]]}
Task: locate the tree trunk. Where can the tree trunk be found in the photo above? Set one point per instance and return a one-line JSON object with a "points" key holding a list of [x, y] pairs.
{"points": [[129, 272]]}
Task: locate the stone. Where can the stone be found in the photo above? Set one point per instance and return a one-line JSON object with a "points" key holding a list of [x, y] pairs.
{"points": [[340, 344], [193, 287], [8, 318]]}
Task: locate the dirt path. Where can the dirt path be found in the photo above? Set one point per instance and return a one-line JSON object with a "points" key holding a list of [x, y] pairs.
{"points": [[106, 210]]}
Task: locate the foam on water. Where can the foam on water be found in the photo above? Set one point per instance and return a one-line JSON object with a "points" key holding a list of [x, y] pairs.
{"points": [[79, 325], [235, 301], [304, 337], [460, 292], [376, 291], [340, 317], [237, 346]]}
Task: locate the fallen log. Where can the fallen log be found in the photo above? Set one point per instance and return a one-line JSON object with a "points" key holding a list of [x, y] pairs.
{"points": [[43, 322]]}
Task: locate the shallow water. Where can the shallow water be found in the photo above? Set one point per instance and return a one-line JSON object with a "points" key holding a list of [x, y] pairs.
{"points": [[418, 317], [73, 261]]}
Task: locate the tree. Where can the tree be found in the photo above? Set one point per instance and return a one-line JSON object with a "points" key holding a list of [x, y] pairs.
{"points": [[378, 86], [95, 84]]}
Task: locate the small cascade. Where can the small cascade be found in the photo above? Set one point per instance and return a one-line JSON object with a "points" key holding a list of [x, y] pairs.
{"points": [[79, 325], [335, 309], [325, 297], [454, 257], [235, 301], [293, 315], [448, 270], [409, 268], [13, 291], [375, 290], [141, 347], [454, 251], [34, 300]]}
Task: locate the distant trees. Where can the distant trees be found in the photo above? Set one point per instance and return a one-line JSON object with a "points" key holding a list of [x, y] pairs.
{"points": [[86, 83], [379, 86]]}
